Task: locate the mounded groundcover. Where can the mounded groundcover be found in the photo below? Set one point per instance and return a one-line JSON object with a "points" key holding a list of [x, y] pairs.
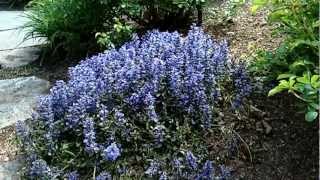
{"points": [[140, 111]]}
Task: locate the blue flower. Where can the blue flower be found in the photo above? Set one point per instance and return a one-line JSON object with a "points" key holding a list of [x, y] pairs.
{"points": [[39, 168], [207, 171], [112, 152], [225, 173], [163, 176], [89, 136], [242, 83], [191, 160], [104, 176], [153, 169], [73, 176], [120, 119], [154, 82]]}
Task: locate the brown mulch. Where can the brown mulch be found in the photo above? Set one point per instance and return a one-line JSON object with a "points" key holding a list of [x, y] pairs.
{"points": [[8, 148], [245, 33], [278, 144], [282, 144]]}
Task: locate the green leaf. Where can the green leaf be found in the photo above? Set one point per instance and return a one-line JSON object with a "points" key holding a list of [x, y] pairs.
{"points": [[315, 83], [314, 105], [300, 42], [259, 2], [285, 76], [276, 15], [284, 84], [254, 9], [316, 24], [297, 64], [311, 116], [305, 79], [275, 90], [292, 80]]}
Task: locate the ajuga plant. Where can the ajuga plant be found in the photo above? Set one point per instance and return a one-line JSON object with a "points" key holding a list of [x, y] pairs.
{"points": [[140, 111], [295, 62]]}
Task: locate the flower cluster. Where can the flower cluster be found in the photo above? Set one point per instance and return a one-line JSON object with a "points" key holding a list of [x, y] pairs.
{"points": [[144, 100], [241, 82], [112, 152]]}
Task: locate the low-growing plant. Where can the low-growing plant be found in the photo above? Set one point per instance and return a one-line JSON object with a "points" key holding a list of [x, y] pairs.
{"points": [[298, 55], [305, 88], [141, 111]]}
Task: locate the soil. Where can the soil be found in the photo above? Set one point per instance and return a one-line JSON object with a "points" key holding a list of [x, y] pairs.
{"points": [[8, 150], [245, 33], [276, 143], [282, 144]]}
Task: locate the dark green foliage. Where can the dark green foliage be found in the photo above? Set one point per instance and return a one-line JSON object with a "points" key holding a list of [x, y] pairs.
{"points": [[297, 57], [65, 23], [73, 24]]}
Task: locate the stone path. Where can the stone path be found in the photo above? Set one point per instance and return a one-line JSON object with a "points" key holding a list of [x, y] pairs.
{"points": [[14, 49], [8, 170], [18, 96]]}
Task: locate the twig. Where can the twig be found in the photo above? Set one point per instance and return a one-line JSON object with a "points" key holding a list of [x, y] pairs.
{"points": [[247, 146]]}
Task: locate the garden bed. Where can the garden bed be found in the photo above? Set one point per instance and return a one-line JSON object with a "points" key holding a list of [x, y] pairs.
{"points": [[274, 140]]}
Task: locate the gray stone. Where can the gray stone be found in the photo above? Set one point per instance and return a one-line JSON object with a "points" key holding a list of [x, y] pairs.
{"points": [[12, 19], [19, 57], [18, 98], [10, 170], [13, 39], [12, 33]]}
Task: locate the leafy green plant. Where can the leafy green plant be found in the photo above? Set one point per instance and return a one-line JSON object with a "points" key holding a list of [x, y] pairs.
{"points": [[305, 88], [121, 32], [65, 23], [297, 57], [18, 3], [70, 24]]}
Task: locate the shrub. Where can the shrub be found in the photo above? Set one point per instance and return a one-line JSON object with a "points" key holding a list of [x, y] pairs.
{"points": [[71, 24], [66, 24], [295, 63], [139, 111]]}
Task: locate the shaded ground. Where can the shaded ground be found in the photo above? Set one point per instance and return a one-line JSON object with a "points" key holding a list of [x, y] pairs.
{"points": [[282, 144], [245, 33], [288, 151]]}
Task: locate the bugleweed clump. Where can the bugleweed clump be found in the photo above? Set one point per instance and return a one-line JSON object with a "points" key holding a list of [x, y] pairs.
{"points": [[142, 111]]}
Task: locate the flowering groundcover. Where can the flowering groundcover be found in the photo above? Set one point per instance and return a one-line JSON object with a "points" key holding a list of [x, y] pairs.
{"points": [[140, 111]]}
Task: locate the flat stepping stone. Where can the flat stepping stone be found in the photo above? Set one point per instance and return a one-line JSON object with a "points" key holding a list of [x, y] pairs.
{"points": [[12, 34], [19, 57], [19, 97], [12, 19], [9, 170], [15, 38], [15, 50]]}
